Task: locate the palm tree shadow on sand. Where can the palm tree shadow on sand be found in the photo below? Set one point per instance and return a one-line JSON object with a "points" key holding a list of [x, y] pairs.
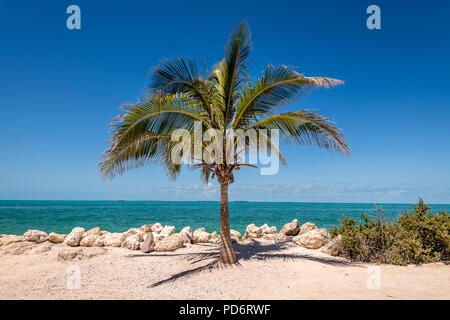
{"points": [[253, 250]]}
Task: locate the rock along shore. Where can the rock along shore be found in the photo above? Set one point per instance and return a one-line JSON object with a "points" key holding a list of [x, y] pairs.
{"points": [[155, 237]]}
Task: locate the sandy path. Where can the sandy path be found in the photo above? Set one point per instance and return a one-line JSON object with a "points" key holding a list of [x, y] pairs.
{"points": [[266, 271]]}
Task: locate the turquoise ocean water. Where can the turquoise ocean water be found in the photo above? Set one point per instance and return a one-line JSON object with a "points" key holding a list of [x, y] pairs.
{"points": [[16, 217]]}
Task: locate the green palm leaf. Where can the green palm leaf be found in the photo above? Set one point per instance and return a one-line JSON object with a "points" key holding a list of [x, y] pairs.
{"points": [[121, 157], [277, 86], [306, 127], [157, 113], [231, 71]]}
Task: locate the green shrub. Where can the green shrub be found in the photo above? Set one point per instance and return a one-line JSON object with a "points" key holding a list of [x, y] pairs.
{"points": [[416, 237]]}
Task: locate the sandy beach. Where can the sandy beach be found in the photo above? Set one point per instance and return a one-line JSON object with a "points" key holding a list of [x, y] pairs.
{"points": [[266, 270]]}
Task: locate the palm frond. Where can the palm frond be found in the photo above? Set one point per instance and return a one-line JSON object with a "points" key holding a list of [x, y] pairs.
{"points": [[178, 75], [274, 147], [173, 169], [136, 153], [231, 71], [174, 75], [143, 132], [206, 171], [323, 82], [157, 113], [278, 85], [306, 127]]}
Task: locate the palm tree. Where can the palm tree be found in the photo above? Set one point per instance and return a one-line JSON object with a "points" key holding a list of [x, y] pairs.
{"points": [[180, 94]]}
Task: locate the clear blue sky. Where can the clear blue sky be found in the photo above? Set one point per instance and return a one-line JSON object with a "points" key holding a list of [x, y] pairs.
{"points": [[60, 88]]}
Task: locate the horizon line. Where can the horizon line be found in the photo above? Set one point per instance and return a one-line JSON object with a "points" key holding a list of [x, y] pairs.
{"points": [[249, 201]]}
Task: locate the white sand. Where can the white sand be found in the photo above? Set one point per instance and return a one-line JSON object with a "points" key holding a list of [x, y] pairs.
{"points": [[266, 271]]}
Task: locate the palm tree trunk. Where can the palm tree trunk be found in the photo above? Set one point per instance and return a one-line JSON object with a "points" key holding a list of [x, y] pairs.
{"points": [[227, 254]]}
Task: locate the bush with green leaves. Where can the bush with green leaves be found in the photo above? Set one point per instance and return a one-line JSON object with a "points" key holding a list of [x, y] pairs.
{"points": [[416, 237]]}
